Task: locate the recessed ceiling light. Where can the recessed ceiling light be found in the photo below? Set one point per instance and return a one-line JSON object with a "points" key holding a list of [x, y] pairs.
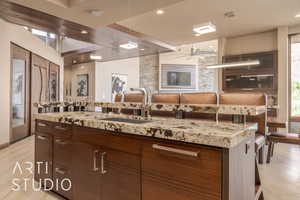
{"points": [[297, 16], [25, 27], [129, 45], [197, 34], [204, 28], [142, 49], [74, 61], [84, 32], [160, 12], [96, 12], [95, 57]]}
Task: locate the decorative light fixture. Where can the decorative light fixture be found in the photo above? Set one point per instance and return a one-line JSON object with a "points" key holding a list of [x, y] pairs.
{"points": [[297, 16], [84, 32], [39, 32], [204, 28], [235, 64], [129, 45], [160, 12], [95, 57], [52, 35]]}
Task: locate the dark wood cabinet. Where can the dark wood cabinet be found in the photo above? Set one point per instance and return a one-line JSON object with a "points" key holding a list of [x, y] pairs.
{"points": [[107, 162], [86, 171], [262, 78], [43, 158], [173, 172], [122, 171], [62, 151], [103, 165]]}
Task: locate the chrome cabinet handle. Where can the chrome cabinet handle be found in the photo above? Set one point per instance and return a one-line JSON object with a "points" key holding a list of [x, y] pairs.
{"points": [[41, 137], [62, 142], [60, 171], [42, 124], [103, 171], [95, 168], [173, 150], [60, 128]]}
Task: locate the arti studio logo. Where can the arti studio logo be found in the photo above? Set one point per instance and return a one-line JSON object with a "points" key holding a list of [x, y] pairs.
{"points": [[23, 170]]}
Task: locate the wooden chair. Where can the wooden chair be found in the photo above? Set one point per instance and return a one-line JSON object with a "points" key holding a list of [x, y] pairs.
{"points": [[254, 99], [164, 98], [199, 98], [287, 138]]}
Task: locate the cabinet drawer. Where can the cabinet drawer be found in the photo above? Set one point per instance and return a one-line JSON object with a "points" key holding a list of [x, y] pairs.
{"points": [[43, 157], [62, 150], [180, 171], [54, 128], [62, 181], [103, 138]]}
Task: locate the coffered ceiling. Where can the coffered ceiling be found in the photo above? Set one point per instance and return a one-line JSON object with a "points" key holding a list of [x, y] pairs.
{"points": [[176, 24], [108, 11]]}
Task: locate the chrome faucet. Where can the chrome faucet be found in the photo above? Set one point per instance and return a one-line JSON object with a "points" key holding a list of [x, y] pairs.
{"points": [[145, 92], [147, 100]]}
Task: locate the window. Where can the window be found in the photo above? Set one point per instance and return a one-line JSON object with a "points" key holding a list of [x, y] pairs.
{"points": [[295, 77]]}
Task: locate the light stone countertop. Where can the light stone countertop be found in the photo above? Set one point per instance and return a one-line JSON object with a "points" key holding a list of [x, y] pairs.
{"points": [[222, 134], [198, 108]]}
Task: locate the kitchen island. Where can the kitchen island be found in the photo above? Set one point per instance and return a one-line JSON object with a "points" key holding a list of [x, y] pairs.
{"points": [[122, 157]]}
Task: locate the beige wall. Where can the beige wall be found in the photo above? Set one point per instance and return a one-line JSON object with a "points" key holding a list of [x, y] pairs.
{"points": [[104, 72], [23, 38], [266, 41]]}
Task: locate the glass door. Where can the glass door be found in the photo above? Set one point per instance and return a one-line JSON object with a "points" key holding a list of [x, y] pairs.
{"points": [[20, 76], [18, 92]]}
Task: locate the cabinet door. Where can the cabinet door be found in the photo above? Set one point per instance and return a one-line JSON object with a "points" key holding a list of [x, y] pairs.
{"points": [[85, 171], [39, 84], [62, 180], [62, 149], [43, 157], [177, 172], [120, 175]]}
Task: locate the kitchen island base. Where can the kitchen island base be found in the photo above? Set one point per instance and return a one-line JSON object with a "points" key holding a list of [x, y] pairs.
{"points": [[111, 165]]}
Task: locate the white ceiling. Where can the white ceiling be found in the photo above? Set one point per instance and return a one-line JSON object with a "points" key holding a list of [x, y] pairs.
{"points": [[175, 26], [78, 10]]}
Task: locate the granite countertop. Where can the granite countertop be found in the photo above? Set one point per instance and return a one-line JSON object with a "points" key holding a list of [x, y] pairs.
{"points": [[222, 134], [199, 108]]}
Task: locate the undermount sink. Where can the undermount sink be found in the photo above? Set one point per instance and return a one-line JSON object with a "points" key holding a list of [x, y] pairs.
{"points": [[133, 121]]}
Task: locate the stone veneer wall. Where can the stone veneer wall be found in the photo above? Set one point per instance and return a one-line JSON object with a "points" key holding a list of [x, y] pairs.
{"points": [[207, 77], [149, 72]]}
